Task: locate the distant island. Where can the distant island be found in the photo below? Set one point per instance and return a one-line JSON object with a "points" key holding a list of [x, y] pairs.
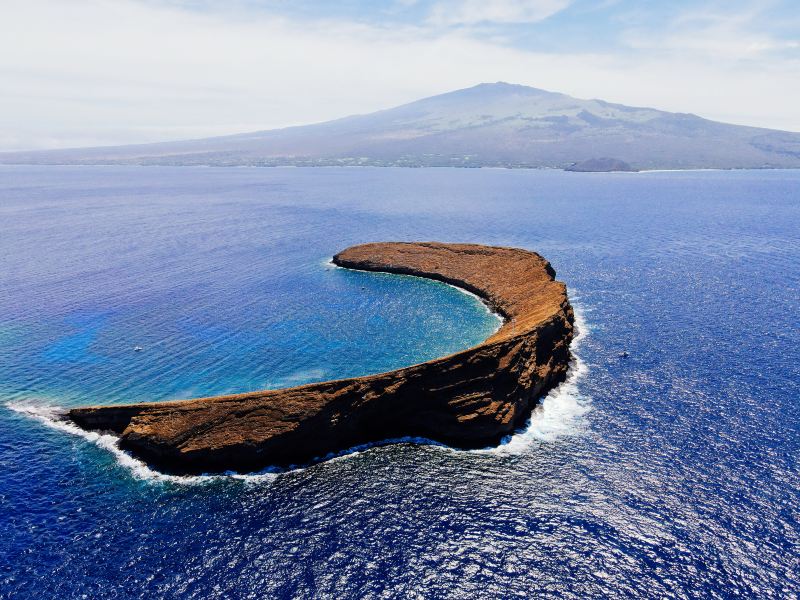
{"points": [[600, 165], [489, 125], [469, 399]]}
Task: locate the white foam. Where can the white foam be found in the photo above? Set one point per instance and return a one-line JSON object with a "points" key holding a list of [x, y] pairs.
{"points": [[53, 416], [561, 412]]}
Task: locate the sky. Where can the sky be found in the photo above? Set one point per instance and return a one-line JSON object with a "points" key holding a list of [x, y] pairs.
{"points": [[100, 72]]}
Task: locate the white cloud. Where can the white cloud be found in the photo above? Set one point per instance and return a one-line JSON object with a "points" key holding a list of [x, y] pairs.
{"points": [[472, 12], [712, 45], [732, 35], [122, 71]]}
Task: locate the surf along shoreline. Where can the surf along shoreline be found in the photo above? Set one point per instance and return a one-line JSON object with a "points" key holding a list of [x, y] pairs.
{"points": [[469, 399]]}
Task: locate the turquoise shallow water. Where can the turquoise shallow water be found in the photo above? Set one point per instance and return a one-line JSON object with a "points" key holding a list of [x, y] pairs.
{"points": [[672, 473]]}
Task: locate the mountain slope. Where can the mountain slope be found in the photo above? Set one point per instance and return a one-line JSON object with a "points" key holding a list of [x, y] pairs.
{"points": [[495, 124]]}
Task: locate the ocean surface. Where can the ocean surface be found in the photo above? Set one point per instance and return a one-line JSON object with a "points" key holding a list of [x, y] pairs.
{"points": [[672, 473]]}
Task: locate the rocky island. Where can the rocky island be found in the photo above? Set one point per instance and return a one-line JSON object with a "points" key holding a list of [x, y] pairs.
{"points": [[469, 399], [601, 165]]}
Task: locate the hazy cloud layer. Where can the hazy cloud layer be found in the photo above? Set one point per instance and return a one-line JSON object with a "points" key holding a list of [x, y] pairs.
{"points": [[469, 12], [121, 71]]}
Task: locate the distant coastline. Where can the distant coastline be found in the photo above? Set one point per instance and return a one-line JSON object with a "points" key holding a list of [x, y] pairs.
{"points": [[482, 167]]}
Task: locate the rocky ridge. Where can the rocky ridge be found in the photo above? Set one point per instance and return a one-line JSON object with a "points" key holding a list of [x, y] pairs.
{"points": [[469, 399]]}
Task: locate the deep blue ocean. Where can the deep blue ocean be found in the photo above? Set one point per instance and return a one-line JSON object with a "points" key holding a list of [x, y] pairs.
{"points": [[672, 473]]}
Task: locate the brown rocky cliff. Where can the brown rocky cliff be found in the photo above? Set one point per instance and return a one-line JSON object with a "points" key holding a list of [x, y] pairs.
{"points": [[469, 399]]}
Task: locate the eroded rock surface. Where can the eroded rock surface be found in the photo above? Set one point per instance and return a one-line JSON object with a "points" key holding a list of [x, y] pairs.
{"points": [[469, 399]]}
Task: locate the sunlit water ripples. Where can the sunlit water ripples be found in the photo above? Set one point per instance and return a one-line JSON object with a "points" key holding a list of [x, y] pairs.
{"points": [[669, 473]]}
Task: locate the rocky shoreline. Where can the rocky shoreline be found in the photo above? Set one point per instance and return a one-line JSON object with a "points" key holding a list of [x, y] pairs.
{"points": [[469, 399]]}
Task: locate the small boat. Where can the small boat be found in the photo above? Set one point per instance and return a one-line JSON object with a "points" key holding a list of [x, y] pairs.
{"points": [[624, 354], [137, 348]]}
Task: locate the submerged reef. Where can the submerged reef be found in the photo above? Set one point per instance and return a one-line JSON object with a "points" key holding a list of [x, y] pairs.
{"points": [[469, 399]]}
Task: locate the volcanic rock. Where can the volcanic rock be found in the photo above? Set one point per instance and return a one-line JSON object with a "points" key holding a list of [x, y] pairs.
{"points": [[472, 398]]}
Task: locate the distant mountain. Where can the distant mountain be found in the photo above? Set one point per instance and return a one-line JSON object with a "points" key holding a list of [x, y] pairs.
{"points": [[491, 124]]}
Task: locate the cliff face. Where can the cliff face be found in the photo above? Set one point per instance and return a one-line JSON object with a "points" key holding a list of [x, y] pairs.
{"points": [[469, 399]]}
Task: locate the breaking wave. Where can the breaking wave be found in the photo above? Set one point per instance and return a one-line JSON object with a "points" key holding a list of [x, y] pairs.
{"points": [[561, 411], [53, 417]]}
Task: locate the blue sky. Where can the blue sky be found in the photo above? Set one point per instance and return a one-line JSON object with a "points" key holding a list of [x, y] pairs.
{"points": [[86, 72]]}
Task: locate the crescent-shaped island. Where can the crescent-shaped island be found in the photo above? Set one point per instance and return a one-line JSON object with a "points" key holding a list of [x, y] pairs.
{"points": [[469, 399]]}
